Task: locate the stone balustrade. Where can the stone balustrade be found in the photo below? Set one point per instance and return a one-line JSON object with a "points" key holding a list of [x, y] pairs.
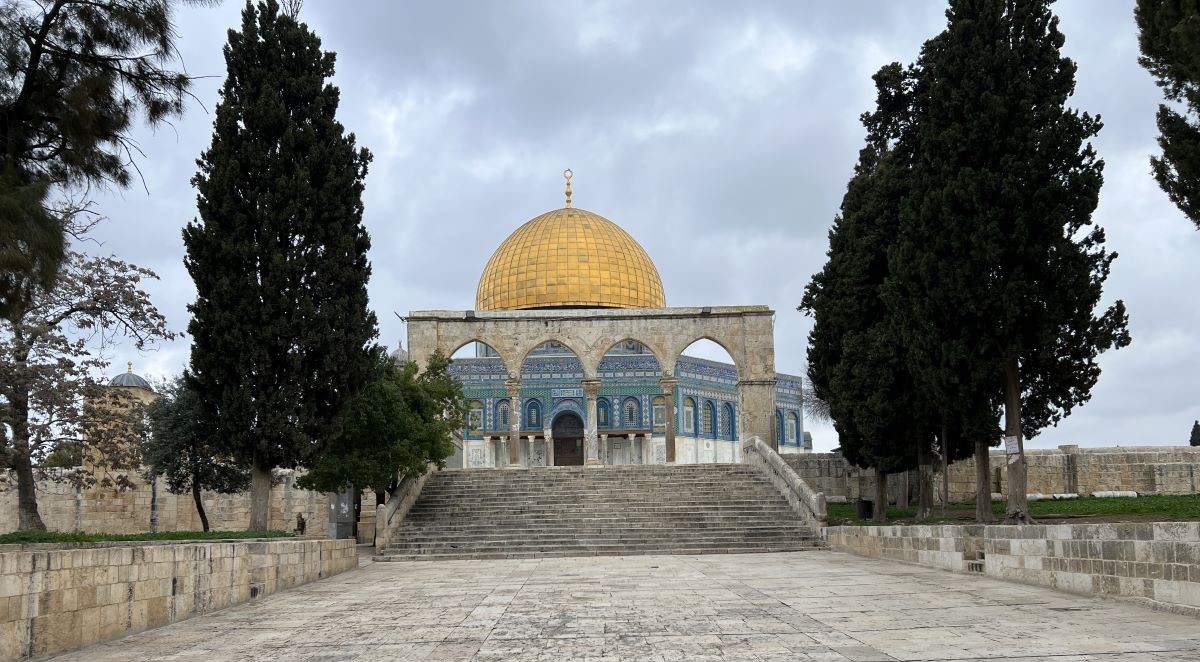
{"points": [[807, 503]]}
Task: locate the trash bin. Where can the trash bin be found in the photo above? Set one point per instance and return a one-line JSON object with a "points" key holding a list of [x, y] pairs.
{"points": [[864, 508]]}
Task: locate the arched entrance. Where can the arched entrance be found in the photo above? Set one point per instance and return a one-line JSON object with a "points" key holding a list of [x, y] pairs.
{"points": [[567, 431]]}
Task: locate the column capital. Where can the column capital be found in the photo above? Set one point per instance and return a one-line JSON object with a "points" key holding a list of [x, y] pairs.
{"points": [[668, 383], [514, 387], [591, 388]]}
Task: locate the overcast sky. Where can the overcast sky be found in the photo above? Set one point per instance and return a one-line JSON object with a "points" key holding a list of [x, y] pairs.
{"points": [[721, 135]]}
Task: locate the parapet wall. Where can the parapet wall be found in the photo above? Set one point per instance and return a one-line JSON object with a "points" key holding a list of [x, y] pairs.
{"points": [[1064, 470], [63, 508], [1156, 563], [55, 599]]}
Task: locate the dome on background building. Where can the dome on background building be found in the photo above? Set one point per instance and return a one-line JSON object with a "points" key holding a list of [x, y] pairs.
{"points": [[131, 379], [569, 258]]}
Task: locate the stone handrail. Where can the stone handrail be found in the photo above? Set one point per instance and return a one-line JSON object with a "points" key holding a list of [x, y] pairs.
{"points": [[390, 515], [807, 503]]}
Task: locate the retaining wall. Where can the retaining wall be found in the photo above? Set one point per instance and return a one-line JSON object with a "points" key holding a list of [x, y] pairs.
{"points": [[64, 508], [58, 598], [1157, 563], [1062, 470]]}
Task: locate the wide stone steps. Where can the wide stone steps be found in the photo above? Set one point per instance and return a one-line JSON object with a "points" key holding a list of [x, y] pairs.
{"points": [[556, 511]]}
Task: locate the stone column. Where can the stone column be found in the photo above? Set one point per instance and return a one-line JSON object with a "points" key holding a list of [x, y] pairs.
{"points": [[756, 404], [514, 422], [591, 389], [668, 386], [549, 447], [637, 446], [607, 457]]}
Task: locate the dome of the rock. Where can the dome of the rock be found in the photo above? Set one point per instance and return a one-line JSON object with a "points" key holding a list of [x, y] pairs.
{"points": [[569, 258]]}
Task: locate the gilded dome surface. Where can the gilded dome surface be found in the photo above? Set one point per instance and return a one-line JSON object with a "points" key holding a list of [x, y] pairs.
{"points": [[569, 258]]}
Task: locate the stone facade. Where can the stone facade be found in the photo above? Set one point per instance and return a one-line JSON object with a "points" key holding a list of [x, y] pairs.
{"points": [[1064, 470], [1158, 563], [55, 599], [63, 508]]}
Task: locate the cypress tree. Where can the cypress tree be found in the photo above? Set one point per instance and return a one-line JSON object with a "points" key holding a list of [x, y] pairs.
{"points": [[997, 235], [856, 364], [1169, 36], [280, 326], [1195, 439]]}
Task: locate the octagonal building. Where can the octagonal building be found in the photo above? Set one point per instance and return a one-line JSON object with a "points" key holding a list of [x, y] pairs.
{"points": [[577, 359]]}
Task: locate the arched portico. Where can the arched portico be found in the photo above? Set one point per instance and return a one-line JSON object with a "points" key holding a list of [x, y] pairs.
{"points": [[745, 332]]}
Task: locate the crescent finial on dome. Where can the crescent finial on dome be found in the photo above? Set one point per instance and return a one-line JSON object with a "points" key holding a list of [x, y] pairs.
{"points": [[567, 174]]}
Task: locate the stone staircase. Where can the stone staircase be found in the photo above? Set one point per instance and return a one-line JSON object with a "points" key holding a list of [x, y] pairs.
{"points": [[610, 510]]}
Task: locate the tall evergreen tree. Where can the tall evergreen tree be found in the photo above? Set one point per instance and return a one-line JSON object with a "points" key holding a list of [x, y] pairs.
{"points": [[997, 235], [280, 326], [856, 364], [1169, 35], [1195, 438]]}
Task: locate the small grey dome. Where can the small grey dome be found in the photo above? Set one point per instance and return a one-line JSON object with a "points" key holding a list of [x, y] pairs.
{"points": [[129, 378]]}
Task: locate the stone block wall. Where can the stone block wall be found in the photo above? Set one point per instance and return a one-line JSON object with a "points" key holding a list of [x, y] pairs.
{"points": [[63, 508], [56, 599], [1154, 562], [1063, 470]]}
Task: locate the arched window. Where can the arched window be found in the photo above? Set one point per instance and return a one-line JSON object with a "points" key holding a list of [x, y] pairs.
{"points": [[793, 427], [779, 429], [689, 416], [475, 416], [707, 419], [533, 415], [502, 415], [658, 410], [632, 413], [727, 421], [602, 413]]}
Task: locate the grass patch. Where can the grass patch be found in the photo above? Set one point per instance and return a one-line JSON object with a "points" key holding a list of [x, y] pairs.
{"points": [[1162, 507], [26, 537]]}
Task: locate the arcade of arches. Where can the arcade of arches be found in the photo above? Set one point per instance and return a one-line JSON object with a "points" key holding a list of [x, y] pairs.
{"points": [[578, 360]]}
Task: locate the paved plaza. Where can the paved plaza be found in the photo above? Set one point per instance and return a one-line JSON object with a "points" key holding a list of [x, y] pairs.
{"points": [[786, 607]]}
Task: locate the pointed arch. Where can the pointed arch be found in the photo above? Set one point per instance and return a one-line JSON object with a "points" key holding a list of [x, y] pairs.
{"points": [[631, 413], [728, 422], [532, 420]]}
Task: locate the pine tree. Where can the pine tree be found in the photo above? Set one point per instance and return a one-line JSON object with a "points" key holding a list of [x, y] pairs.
{"points": [[1169, 36], [280, 326], [1195, 439], [997, 234], [857, 366], [75, 75]]}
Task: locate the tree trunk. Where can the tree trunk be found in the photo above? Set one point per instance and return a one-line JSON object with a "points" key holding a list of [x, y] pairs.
{"points": [[28, 518], [924, 480], [260, 496], [945, 470], [983, 482], [199, 502], [27, 510], [881, 497], [1018, 502]]}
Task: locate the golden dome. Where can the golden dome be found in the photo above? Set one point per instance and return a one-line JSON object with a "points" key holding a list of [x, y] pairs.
{"points": [[569, 258]]}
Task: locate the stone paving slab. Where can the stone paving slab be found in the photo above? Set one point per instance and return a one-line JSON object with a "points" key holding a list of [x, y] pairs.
{"points": [[765, 607]]}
